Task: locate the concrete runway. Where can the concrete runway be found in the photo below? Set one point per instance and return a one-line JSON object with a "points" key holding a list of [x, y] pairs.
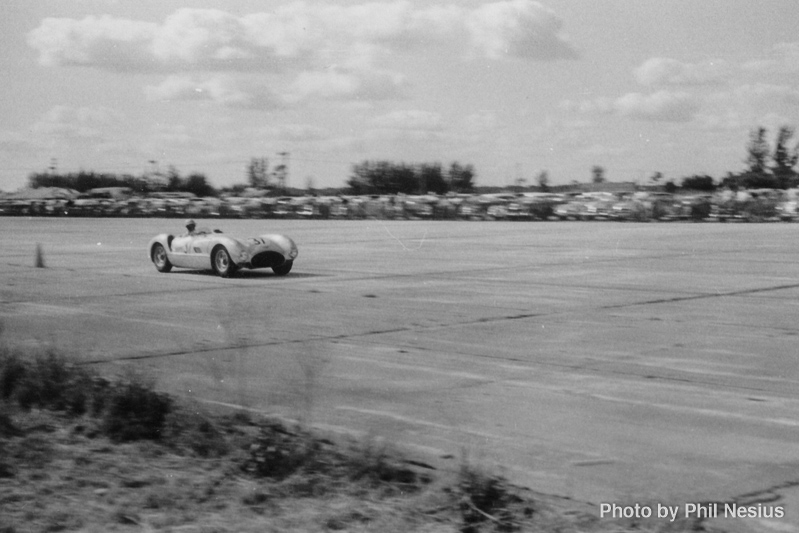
{"points": [[608, 362]]}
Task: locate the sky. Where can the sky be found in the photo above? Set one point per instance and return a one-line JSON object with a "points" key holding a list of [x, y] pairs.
{"points": [[513, 87]]}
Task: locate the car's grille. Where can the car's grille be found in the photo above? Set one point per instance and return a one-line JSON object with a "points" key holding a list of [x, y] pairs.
{"points": [[266, 259]]}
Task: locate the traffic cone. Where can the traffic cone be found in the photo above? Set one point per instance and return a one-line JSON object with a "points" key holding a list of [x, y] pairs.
{"points": [[39, 263]]}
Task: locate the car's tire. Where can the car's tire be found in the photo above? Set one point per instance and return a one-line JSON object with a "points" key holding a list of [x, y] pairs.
{"points": [[221, 262], [283, 269], [160, 258]]}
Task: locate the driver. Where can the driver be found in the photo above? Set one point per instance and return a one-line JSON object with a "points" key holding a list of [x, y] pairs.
{"points": [[190, 225]]}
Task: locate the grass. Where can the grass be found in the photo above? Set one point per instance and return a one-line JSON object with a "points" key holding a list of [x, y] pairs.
{"points": [[79, 452]]}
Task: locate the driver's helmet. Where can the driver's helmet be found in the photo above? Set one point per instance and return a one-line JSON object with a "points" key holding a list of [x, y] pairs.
{"points": [[190, 224]]}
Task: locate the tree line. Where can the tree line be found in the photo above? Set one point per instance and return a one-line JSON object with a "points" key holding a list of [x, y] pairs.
{"points": [[767, 166], [82, 181], [386, 177]]}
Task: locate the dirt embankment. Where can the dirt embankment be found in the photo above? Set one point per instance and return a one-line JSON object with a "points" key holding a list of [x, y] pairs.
{"points": [[81, 453]]}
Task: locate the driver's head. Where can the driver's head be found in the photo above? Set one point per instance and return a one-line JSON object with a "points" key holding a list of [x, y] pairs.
{"points": [[190, 225]]}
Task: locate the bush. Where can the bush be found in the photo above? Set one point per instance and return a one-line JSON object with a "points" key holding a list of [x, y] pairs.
{"points": [[189, 429], [135, 411], [485, 498], [47, 382], [130, 408], [277, 452], [12, 371]]}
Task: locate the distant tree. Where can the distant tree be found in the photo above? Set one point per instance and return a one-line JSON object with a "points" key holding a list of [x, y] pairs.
{"points": [[757, 152], [785, 158], [198, 185], [543, 181], [699, 183], [431, 179], [461, 178], [174, 182], [258, 172], [598, 174], [400, 178], [670, 187], [384, 177], [137, 184], [234, 190]]}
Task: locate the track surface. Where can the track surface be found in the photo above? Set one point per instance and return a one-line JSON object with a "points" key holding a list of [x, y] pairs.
{"points": [[601, 361]]}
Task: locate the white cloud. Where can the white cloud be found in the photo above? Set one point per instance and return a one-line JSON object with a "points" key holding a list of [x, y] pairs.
{"points": [[294, 133], [223, 90], [200, 36], [662, 106], [666, 71], [519, 28], [408, 127], [76, 123], [103, 42], [347, 84], [409, 120], [297, 35]]}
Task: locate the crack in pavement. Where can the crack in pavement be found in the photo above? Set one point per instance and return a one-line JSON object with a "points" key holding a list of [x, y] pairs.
{"points": [[742, 292]]}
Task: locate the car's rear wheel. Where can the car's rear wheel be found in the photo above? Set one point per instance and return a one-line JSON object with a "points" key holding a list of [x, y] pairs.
{"points": [[160, 259], [283, 269], [220, 259]]}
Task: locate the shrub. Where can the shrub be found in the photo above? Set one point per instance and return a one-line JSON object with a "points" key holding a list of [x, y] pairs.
{"points": [[189, 429], [50, 381], [135, 411], [130, 408], [277, 452], [485, 498], [12, 371]]}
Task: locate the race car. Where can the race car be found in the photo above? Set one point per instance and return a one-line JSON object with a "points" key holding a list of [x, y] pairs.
{"points": [[204, 249]]}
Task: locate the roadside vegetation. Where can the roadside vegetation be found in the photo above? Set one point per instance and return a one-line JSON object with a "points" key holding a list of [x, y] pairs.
{"points": [[79, 451]]}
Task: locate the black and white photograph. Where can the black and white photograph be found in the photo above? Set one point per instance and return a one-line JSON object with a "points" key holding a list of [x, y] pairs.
{"points": [[432, 266]]}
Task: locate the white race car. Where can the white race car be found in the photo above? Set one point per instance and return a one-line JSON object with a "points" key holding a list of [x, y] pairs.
{"points": [[213, 250]]}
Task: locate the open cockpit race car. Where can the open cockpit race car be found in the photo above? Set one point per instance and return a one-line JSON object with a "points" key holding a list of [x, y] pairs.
{"points": [[206, 249]]}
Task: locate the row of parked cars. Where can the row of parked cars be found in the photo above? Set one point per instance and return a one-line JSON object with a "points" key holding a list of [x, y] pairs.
{"points": [[749, 205]]}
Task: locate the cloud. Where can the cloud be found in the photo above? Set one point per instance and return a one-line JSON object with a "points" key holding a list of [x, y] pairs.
{"points": [[339, 83], [72, 123], [662, 106], [408, 126], [409, 120], [223, 90], [294, 133], [666, 71], [298, 35], [103, 42], [520, 29], [784, 59]]}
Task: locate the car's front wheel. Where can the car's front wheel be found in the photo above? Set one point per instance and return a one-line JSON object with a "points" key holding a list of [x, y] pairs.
{"points": [[283, 269], [160, 259], [220, 259]]}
